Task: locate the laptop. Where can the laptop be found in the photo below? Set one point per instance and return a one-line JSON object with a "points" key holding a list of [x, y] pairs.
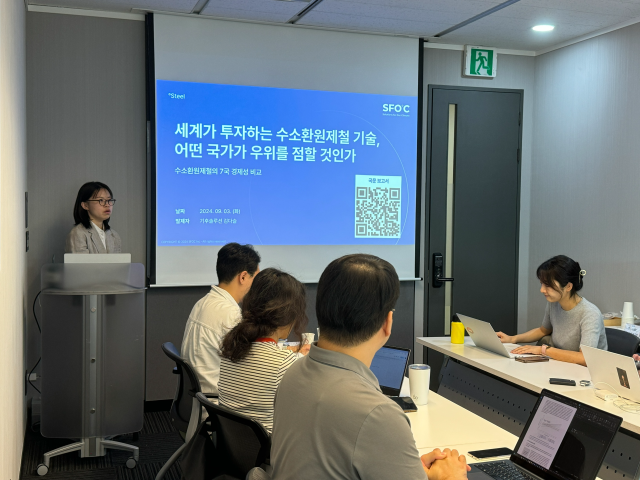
{"points": [[484, 336], [611, 371], [563, 440], [389, 366]]}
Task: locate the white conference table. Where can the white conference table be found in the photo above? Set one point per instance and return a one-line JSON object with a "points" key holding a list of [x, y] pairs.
{"points": [[444, 424], [531, 376]]}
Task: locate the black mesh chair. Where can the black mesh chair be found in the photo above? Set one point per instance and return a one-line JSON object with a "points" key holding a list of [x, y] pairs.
{"points": [[186, 412], [241, 442], [621, 342]]}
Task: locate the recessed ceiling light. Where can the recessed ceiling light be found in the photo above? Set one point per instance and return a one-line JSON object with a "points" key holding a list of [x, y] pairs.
{"points": [[543, 28]]}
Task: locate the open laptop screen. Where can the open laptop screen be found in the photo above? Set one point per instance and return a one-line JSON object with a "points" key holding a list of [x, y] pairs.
{"points": [[389, 365], [565, 439]]}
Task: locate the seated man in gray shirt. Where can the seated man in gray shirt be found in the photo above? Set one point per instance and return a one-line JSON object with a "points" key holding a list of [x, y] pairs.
{"points": [[331, 419]]}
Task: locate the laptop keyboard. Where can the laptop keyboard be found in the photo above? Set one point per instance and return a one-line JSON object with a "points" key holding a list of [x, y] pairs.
{"points": [[503, 470]]}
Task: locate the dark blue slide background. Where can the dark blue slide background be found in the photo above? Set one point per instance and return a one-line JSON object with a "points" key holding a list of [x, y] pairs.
{"points": [[270, 201]]}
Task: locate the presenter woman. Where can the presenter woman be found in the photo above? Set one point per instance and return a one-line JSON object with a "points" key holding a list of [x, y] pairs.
{"points": [[570, 319], [92, 211]]}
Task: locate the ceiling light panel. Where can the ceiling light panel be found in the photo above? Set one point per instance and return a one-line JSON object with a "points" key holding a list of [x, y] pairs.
{"points": [[178, 6], [542, 28], [257, 10]]}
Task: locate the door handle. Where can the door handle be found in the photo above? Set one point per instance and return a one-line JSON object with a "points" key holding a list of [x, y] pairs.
{"points": [[441, 279], [438, 271]]}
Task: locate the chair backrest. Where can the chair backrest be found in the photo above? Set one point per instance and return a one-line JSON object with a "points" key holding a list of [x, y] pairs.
{"points": [[188, 387], [621, 342], [242, 442]]}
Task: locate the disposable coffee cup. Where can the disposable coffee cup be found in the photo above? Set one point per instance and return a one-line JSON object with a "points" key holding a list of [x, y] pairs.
{"points": [[308, 338], [627, 314], [419, 376]]}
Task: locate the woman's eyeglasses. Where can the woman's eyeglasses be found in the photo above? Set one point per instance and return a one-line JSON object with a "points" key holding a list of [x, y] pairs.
{"points": [[103, 202]]}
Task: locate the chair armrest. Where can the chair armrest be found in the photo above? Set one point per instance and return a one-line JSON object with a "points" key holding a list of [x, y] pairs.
{"points": [[210, 395], [175, 371]]}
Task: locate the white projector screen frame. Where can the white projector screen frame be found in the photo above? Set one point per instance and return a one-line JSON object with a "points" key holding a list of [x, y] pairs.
{"points": [[236, 53]]}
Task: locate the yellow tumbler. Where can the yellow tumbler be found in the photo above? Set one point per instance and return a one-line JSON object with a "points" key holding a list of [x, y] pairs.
{"points": [[457, 331]]}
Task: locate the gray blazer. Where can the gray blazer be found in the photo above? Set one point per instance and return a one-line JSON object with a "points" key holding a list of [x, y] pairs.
{"points": [[87, 240]]}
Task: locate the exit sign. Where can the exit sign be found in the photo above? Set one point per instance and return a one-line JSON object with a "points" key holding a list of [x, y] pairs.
{"points": [[480, 61]]}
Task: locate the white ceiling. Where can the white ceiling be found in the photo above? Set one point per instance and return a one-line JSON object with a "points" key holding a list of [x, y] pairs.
{"points": [[506, 28]]}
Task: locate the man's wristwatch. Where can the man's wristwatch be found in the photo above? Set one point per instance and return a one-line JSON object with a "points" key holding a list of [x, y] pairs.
{"points": [[544, 350]]}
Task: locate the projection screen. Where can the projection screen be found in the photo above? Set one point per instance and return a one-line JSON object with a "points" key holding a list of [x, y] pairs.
{"points": [[299, 141]]}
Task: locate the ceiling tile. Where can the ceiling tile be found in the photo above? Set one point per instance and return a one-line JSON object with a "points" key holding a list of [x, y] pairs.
{"points": [[178, 6], [506, 28], [375, 25], [535, 14], [511, 26], [618, 7], [408, 17], [516, 36], [259, 10]]}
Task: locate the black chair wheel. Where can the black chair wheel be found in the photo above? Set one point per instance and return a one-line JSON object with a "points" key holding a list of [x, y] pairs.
{"points": [[42, 469], [131, 462]]}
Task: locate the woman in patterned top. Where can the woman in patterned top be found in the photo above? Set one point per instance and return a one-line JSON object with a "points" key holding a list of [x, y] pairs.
{"points": [[252, 365]]}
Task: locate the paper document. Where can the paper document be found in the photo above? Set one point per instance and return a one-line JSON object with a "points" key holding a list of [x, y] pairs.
{"points": [[546, 432]]}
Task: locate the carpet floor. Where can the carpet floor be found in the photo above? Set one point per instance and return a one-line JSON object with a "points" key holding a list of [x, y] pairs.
{"points": [[157, 441]]}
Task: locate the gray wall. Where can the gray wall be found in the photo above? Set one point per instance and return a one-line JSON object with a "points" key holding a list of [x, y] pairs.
{"points": [[85, 121], [584, 181], [444, 67]]}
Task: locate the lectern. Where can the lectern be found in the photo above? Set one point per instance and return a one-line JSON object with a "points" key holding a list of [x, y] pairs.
{"points": [[92, 356]]}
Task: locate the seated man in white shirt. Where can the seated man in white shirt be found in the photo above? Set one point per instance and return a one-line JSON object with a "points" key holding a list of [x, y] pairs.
{"points": [[218, 312]]}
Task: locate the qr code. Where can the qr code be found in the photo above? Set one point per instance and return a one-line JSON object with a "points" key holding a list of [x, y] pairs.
{"points": [[378, 201]]}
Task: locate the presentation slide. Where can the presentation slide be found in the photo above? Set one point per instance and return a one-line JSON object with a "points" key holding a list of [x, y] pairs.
{"points": [[279, 166]]}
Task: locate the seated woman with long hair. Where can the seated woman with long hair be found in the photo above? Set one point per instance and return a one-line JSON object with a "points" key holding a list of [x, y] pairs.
{"points": [[252, 365]]}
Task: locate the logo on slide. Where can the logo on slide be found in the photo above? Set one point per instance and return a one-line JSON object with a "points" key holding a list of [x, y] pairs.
{"points": [[395, 110]]}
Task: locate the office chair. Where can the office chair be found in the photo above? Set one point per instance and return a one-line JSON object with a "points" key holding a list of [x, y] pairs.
{"points": [[241, 443], [257, 473], [186, 413], [621, 342]]}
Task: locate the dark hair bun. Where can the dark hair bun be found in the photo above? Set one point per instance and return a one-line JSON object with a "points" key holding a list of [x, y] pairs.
{"points": [[559, 271]]}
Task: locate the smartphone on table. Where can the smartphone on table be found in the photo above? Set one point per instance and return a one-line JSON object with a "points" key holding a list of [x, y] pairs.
{"points": [[490, 453]]}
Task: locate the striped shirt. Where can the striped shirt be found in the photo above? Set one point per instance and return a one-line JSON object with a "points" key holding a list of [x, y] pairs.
{"points": [[249, 385]]}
